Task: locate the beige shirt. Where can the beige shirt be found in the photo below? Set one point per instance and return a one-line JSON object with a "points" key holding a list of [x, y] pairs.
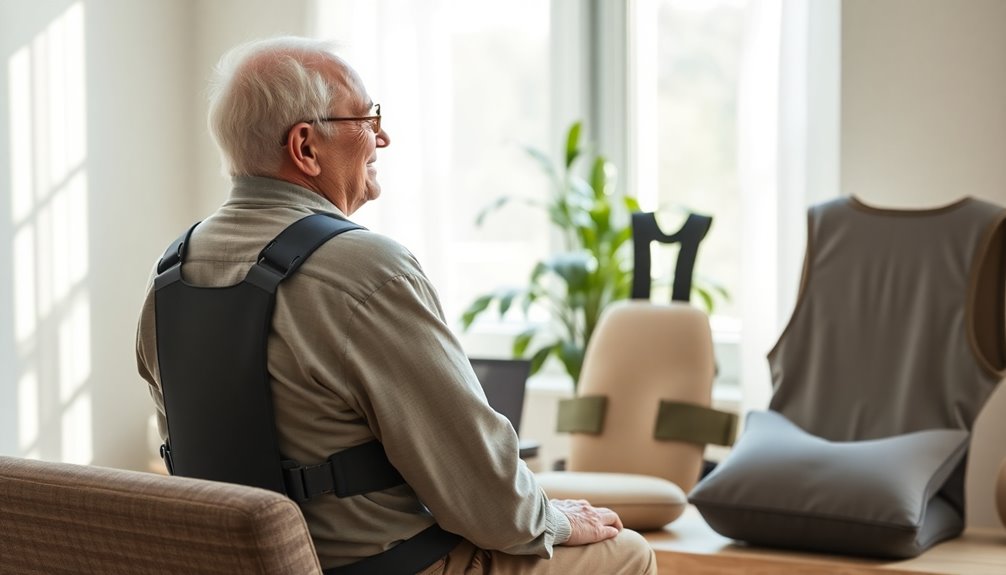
{"points": [[360, 350]]}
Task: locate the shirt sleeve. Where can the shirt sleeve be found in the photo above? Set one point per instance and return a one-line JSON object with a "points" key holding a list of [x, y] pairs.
{"points": [[424, 403], [146, 358]]}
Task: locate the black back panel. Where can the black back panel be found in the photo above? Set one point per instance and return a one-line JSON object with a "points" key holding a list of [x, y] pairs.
{"points": [[211, 347], [217, 396]]}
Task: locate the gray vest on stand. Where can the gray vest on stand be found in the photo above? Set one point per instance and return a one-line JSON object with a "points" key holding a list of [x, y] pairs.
{"points": [[896, 342], [899, 325]]}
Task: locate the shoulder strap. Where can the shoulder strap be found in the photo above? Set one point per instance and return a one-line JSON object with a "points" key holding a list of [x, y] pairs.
{"points": [[288, 251], [291, 247], [175, 253]]}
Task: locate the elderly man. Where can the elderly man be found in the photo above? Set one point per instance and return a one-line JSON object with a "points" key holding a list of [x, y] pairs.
{"points": [[358, 350]]}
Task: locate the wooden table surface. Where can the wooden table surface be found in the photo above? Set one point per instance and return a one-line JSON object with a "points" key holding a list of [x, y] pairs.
{"points": [[688, 546]]}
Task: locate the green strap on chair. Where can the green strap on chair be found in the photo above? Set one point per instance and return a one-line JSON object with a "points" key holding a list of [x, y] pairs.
{"points": [[582, 414], [678, 421]]}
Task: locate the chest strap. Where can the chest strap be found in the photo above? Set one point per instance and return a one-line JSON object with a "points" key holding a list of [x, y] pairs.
{"points": [[352, 471]]}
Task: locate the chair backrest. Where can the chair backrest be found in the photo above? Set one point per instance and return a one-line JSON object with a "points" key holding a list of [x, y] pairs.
{"points": [[504, 382], [645, 231], [642, 353], [57, 517]]}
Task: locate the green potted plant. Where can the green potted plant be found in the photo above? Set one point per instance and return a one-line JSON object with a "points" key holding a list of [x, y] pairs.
{"points": [[593, 269]]}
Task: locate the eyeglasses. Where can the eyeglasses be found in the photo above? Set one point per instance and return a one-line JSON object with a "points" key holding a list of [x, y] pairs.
{"points": [[374, 120]]}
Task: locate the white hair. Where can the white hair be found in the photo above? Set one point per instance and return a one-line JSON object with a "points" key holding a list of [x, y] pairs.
{"points": [[262, 88]]}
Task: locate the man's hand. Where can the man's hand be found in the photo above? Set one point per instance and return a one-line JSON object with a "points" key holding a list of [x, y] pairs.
{"points": [[588, 524]]}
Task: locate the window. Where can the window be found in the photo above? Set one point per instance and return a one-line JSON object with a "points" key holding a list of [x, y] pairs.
{"points": [[688, 67], [464, 87]]}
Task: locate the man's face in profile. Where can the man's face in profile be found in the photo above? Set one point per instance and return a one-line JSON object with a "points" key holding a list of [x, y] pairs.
{"points": [[354, 142]]}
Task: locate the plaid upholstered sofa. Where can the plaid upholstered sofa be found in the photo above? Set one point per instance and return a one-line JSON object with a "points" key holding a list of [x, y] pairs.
{"points": [[61, 518]]}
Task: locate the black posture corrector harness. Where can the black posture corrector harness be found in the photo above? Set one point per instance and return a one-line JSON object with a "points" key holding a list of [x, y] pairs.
{"points": [[211, 348]]}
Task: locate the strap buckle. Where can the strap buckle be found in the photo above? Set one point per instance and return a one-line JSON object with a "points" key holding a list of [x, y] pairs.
{"points": [[166, 457], [307, 482], [353, 471], [278, 267]]}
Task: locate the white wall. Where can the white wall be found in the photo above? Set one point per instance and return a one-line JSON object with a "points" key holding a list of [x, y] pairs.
{"points": [[219, 25], [137, 190], [150, 170], [17, 29], [137, 76], [924, 123]]}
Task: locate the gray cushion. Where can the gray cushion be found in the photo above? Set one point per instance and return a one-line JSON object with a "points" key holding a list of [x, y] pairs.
{"points": [[781, 486]]}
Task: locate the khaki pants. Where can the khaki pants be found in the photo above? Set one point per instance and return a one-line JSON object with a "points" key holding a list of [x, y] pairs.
{"points": [[626, 554]]}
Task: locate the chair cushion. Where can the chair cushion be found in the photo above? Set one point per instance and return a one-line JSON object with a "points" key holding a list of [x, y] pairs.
{"points": [[781, 486], [642, 502]]}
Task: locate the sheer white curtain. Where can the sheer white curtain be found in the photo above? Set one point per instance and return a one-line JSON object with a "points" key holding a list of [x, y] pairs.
{"points": [[788, 153], [464, 86]]}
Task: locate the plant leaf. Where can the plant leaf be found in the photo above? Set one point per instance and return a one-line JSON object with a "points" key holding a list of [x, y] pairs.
{"points": [[477, 307], [492, 207], [588, 236], [632, 204], [522, 340], [720, 289], [529, 299], [571, 355], [539, 269], [706, 297], [713, 286], [543, 161], [599, 173], [621, 236], [573, 267], [539, 357], [558, 212], [506, 300], [600, 214], [573, 143]]}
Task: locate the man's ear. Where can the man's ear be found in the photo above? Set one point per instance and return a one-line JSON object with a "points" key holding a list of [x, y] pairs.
{"points": [[301, 147]]}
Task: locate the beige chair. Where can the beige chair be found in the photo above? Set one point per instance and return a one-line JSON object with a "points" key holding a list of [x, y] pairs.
{"points": [[654, 366], [61, 518]]}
